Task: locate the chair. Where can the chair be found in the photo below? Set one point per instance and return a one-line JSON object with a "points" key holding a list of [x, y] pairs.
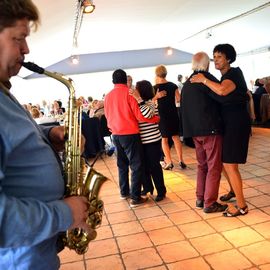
{"points": [[265, 107], [104, 127], [109, 147], [94, 142]]}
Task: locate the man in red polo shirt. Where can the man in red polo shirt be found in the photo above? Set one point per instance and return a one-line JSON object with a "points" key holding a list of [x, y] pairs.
{"points": [[123, 113]]}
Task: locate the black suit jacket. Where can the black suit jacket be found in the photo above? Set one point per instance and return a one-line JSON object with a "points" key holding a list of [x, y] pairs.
{"points": [[200, 112]]}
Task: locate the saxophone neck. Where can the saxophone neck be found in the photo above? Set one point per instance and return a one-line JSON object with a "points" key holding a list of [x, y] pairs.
{"points": [[68, 82]]}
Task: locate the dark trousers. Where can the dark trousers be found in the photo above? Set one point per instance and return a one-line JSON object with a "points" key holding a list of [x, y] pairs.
{"points": [[208, 153], [179, 112], [129, 154], [152, 168]]}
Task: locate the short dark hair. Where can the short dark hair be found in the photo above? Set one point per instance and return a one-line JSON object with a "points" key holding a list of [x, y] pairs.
{"points": [[59, 103], [228, 50], [257, 83], [13, 10], [145, 89], [119, 76]]}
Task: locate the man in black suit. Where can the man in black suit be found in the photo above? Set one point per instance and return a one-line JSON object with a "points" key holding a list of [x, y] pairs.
{"points": [[202, 121]]}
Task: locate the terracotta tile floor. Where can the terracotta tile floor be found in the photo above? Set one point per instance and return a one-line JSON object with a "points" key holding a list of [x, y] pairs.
{"points": [[172, 234]]}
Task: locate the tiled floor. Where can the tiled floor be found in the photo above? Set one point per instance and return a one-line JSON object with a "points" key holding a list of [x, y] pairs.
{"points": [[172, 234]]}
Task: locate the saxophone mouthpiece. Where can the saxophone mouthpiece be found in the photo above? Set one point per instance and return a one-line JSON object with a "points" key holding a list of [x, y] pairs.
{"points": [[33, 67]]}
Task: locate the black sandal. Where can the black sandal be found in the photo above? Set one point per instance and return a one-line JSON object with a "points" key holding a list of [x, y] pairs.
{"points": [[240, 212], [227, 196]]}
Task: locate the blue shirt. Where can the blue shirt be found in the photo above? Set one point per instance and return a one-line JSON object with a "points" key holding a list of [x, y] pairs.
{"points": [[32, 211]]}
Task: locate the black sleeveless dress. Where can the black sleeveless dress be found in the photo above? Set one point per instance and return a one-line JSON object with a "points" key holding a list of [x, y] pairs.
{"points": [[169, 120], [236, 119]]}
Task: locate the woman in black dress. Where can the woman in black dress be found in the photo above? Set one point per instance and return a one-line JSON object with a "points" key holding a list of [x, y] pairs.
{"points": [[236, 119], [169, 120]]}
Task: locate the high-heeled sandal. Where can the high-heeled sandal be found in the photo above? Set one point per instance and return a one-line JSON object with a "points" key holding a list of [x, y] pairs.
{"points": [[240, 212], [182, 165], [168, 166], [227, 196]]}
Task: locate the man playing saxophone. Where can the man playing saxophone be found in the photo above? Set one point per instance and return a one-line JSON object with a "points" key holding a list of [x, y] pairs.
{"points": [[33, 210]]}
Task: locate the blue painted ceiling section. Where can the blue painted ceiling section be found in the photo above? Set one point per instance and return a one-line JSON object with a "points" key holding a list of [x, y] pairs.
{"points": [[97, 62]]}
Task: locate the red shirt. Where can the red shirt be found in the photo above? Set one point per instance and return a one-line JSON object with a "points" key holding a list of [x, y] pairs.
{"points": [[122, 111]]}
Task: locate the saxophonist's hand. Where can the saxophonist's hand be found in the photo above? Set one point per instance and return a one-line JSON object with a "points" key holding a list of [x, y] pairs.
{"points": [[79, 208], [83, 140], [57, 138]]}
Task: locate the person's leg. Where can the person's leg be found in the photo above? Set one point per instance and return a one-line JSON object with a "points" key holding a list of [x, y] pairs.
{"points": [[227, 177], [147, 180], [236, 182], [166, 150], [178, 147], [230, 194], [213, 149], [201, 168], [134, 152], [122, 164], [151, 154]]}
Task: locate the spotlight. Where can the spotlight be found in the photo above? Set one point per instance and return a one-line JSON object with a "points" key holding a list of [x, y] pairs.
{"points": [[88, 6], [74, 59], [169, 51], [208, 34]]}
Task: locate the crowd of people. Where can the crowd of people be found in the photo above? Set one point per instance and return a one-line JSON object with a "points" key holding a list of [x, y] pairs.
{"points": [[144, 120], [260, 90], [220, 127]]}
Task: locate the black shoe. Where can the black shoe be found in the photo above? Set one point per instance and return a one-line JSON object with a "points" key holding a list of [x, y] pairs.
{"points": [[227, 196], [160, 198], [135, 203], [199, 204], [110, 151], [215, 207], [182, 165]]}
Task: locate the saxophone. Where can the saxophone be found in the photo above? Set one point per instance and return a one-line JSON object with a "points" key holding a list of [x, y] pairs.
{"points": [[78, 182]]}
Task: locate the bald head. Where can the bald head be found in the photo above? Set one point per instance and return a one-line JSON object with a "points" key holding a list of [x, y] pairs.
{"points": [[200, 62]]}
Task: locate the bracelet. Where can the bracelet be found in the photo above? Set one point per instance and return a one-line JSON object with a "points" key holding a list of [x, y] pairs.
{"points": [[141, 103], [139, 100], [205, 81]]}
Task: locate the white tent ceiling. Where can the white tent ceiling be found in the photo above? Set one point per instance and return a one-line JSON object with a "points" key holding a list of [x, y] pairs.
{"points": [[188, 25]]}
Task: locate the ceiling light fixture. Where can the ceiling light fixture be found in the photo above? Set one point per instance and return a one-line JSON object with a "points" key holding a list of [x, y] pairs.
{"points": [[88, 6], [74, 59], [208, 34], [169, 51], [208, 30]]}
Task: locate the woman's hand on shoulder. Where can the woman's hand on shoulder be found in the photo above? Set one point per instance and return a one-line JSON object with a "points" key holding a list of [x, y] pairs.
{"points": [[198, 78], [135, 93], [160, 94]]}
